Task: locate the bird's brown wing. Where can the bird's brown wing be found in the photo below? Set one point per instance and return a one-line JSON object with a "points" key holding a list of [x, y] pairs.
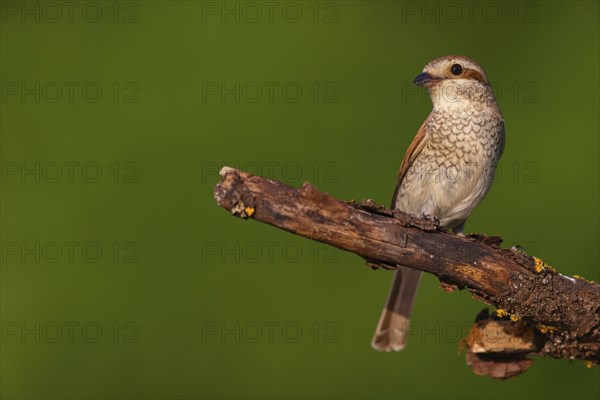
{"points": [[411, 154]]}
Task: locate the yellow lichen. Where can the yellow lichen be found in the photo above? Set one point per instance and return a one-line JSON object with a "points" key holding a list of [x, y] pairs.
{"points": [[501, 312], [514, 318], [583, 279], [546, 328], [539, 265], [242, 211]]}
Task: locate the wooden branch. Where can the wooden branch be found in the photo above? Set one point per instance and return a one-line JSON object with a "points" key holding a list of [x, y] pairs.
{"points": [[549, 314]]}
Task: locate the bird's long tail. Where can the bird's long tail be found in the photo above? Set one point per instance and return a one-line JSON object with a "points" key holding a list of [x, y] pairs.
{"points": [[393, 327]]}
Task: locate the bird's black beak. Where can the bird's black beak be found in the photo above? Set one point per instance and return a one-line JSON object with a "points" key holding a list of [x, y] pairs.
{"points": [[423, 79]]}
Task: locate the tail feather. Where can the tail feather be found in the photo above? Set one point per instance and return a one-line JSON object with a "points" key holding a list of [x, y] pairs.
{"points": [[393, 327]]}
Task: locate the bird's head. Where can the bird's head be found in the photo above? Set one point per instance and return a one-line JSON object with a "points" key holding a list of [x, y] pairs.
{"points": [[454, 80]]}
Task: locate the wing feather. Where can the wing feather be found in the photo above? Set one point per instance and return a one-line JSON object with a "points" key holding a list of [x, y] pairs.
{"points": [[411, 154]]}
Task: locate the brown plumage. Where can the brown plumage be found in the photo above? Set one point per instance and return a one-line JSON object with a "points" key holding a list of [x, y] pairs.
{"points": [[448, 169]]}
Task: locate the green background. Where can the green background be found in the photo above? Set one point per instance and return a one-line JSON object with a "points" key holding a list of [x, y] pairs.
{"points": [[181, 287]]}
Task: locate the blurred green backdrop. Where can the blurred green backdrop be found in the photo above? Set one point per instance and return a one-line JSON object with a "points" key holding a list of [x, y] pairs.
{"points": [[120, 276]]}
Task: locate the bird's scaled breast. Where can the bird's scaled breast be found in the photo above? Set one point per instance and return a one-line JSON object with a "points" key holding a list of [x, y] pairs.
{"points": [[455, 169]]}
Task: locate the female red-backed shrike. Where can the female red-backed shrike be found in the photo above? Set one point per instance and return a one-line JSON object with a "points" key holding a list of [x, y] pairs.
{"points": [[448, 169]]}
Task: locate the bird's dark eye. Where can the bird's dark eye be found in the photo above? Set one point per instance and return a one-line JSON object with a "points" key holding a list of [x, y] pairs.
{"points": [[456, 69]]}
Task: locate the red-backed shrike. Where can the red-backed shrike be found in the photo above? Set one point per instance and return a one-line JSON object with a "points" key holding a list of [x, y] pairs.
{"points": [[447, 170]]}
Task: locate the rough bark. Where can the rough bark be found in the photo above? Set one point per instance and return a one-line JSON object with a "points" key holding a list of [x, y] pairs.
{"points": [[560, 315]]}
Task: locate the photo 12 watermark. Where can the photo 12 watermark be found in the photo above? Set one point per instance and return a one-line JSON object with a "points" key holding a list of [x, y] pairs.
{"points": [[270, 92], [70, 12], [50, 92], [270, 12], [526, 172], [455, 332], [69, 172], [471, 12], [290, 172], [269, 332], [516, 92], [70, 332], [265, 252], [69, 252]]}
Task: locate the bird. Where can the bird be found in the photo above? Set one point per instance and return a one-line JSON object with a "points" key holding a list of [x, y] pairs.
{"points": [[447, 171]]}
